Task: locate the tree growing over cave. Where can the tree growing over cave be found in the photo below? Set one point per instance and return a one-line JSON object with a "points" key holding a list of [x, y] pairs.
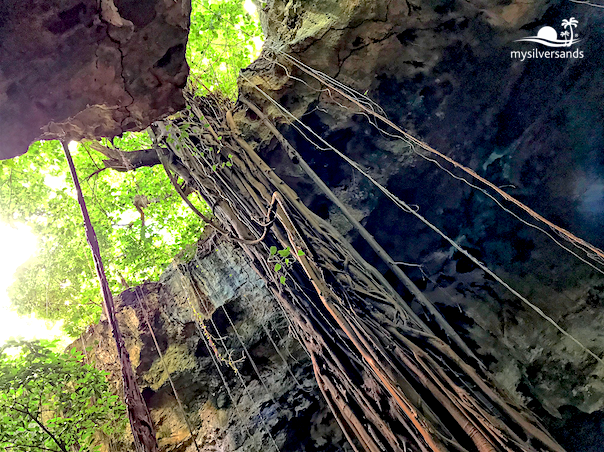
{"points": [[392, 383], [141, 222]]}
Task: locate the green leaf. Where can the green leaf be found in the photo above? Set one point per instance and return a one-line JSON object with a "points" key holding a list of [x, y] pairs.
{"points": [[284, 253], [57, 388], [301, 253], [277, 267], [273, 250], [216, 50], [60, 282], [282, 279]]}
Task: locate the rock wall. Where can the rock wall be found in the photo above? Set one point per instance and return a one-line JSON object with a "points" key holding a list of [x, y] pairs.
{"points": [[216, 287], [74, 69], [444, 71]]}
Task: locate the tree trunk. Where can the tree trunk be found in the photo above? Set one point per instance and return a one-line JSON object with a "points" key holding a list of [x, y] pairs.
{"points": [[391, 383]]}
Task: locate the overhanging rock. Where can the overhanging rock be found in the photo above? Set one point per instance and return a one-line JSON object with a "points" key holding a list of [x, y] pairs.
{"points": [[75, 69]]}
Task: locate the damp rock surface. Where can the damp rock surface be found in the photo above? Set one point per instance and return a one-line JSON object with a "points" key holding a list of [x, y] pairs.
{"points": [[451, 74]]}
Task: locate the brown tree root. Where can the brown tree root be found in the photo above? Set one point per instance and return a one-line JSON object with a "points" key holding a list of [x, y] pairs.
{"points": [[393, 386]]}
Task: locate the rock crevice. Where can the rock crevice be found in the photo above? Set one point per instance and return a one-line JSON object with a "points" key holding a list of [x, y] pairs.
{"points": [[190, 311], [83, 70]]}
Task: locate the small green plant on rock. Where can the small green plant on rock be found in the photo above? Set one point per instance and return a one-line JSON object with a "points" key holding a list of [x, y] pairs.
{"points": [[283, 260]]}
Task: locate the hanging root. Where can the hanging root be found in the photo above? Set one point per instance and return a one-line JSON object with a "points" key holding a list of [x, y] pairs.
{"points": [[406, 208], [393, 385], [363, 101]]}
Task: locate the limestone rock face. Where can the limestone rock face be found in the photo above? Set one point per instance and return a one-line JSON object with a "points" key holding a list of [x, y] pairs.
{"points": [[190, 311], [74, 69], [448, 72]]}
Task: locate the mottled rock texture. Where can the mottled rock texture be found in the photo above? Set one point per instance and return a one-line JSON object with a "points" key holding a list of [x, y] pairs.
{"points": [[443, 70], [220, 286], [73, 69]]}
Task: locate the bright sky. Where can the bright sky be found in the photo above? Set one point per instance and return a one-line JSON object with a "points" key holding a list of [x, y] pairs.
{"points": [[16, 246], [250, 8]]}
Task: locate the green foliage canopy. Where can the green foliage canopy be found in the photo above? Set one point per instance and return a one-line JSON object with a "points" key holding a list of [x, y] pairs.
{"points": [[60, 283], [53, 401], [223, 39]]}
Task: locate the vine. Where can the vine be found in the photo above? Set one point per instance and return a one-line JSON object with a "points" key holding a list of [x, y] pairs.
{"points": [[357, 329]]}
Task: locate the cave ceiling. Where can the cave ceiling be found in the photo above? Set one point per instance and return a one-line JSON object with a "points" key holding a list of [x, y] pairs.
{"points": [[75, 69]]}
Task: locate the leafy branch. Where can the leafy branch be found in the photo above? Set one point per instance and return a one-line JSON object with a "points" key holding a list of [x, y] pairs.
{"points": [[53, 401]]}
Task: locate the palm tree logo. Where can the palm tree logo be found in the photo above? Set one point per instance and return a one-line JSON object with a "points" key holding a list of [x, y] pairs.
{"points": [[547, 36], [569, 23]]}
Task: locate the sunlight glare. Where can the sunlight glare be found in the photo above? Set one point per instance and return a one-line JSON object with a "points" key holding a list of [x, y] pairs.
{"points": [[73, 147], [55, 182], [18, 244], [250, 8], [128, 216]]}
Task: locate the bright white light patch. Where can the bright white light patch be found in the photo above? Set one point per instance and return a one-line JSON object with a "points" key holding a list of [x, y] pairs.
{"points": [[258, 41], [129, 216], [249, 7], [55, 182], [73, 147], [17, 245]]}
